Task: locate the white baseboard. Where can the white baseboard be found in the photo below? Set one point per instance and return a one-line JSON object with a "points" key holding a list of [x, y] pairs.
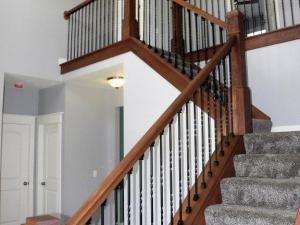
{"points": [[286, 128]]}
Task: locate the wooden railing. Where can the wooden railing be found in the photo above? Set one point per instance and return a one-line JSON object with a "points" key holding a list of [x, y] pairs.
{"points": [[297, 222], [190, 135]]}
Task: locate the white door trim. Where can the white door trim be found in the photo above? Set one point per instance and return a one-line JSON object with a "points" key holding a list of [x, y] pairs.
{"points": [[54, 118], [27, 120]]}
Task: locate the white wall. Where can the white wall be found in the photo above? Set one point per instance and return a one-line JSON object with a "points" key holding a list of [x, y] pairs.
{"points": [[89, 141], [33, 36], [274, 79]]}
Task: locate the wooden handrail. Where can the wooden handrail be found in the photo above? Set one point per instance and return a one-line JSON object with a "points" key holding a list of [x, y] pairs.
{"points": [[202, 13], [118, 174], [74, 9], [297, 222]]}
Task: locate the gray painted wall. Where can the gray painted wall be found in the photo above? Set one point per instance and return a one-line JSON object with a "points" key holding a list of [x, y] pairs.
{"points": [[21, 101], [52, 99], [89, 141]]}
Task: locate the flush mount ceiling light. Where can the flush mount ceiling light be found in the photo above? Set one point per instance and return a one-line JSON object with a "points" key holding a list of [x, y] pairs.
{"points": [[116, 82]]}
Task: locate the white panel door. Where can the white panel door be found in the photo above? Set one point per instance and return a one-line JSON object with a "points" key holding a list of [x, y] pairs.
{"points": [[17, 169], [49, 172]]}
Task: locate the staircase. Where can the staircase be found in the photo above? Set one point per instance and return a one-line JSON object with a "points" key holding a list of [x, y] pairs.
{"points": [[266, 189], [174, 171]]}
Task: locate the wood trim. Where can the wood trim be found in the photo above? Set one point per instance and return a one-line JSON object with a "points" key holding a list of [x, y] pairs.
{"points": [[259, 41], [97, 56], [298, 218], [212, 193], [258, 114], [202, 13], [274, 37], [117, 175], [74, 9]]}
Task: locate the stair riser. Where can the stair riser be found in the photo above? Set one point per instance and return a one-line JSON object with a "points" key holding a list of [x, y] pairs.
{"points": [[273, 143], [256, 194], [261, 126], [267, 167]]}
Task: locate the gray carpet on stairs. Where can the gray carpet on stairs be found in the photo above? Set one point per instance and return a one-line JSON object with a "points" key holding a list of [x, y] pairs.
{"points": [[266, 189]]}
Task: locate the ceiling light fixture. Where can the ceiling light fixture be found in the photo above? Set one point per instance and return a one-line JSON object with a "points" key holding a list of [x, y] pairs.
{"points": [[116, 82]]}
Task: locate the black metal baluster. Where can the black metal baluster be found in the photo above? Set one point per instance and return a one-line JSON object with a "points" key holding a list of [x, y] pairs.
{"points": [[267, 15], [162, 27], [81, 33], [113, 21], [171, 172], [214, 89], [191, 46], [196, 147], [141, 188], [220, 99], [253, 19], [129, 198], [151, 185], [102, 20], [203, 183], [155, 25], [161, 176], [144, 20], [283, 13], [188, 144], [105, 27], [89, 28], [78, 33], [117, 205], [92, 24], [169, 32], [209, 126], [149, 20], [103, 213], [275, 13], [261, 17], [69, 42], [229, 91], [180, 221], [72, 37], [292, 12], [184, 41]]}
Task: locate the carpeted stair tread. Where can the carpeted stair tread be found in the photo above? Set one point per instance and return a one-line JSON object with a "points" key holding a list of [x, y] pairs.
{"points": [[273, 143], [277, 166], [261, 126], [245, 215], [263, 192]]}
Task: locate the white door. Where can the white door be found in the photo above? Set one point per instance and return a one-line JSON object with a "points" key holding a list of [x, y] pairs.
{"points": [[17, 169], [49, 164]]}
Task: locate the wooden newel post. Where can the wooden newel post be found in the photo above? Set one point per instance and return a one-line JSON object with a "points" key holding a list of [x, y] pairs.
{"points": [[177, 41], [241, 100], [130, 26]]}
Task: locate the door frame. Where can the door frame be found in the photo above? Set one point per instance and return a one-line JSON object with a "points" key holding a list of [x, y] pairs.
{"points": [[26, 120], [54, 118]]}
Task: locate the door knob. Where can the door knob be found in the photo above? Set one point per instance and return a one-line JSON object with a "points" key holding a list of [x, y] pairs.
{"points": [[25, 183], [43, 183]]}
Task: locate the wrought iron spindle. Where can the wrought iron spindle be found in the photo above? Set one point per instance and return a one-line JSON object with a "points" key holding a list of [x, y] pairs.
{"points": [[171, 171], [162, 27], [141, 189], [151, 185], [180, 221], [155, 25], [203, 183], [117, 205], [196, 147], [129, 210], [188, 146], [161, 176], [103, 213]]}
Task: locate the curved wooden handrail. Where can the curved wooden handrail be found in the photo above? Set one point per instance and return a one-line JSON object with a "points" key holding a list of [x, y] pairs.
{"points": [[202, 13], [118, 174], [297, 222], [74, 9]]}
